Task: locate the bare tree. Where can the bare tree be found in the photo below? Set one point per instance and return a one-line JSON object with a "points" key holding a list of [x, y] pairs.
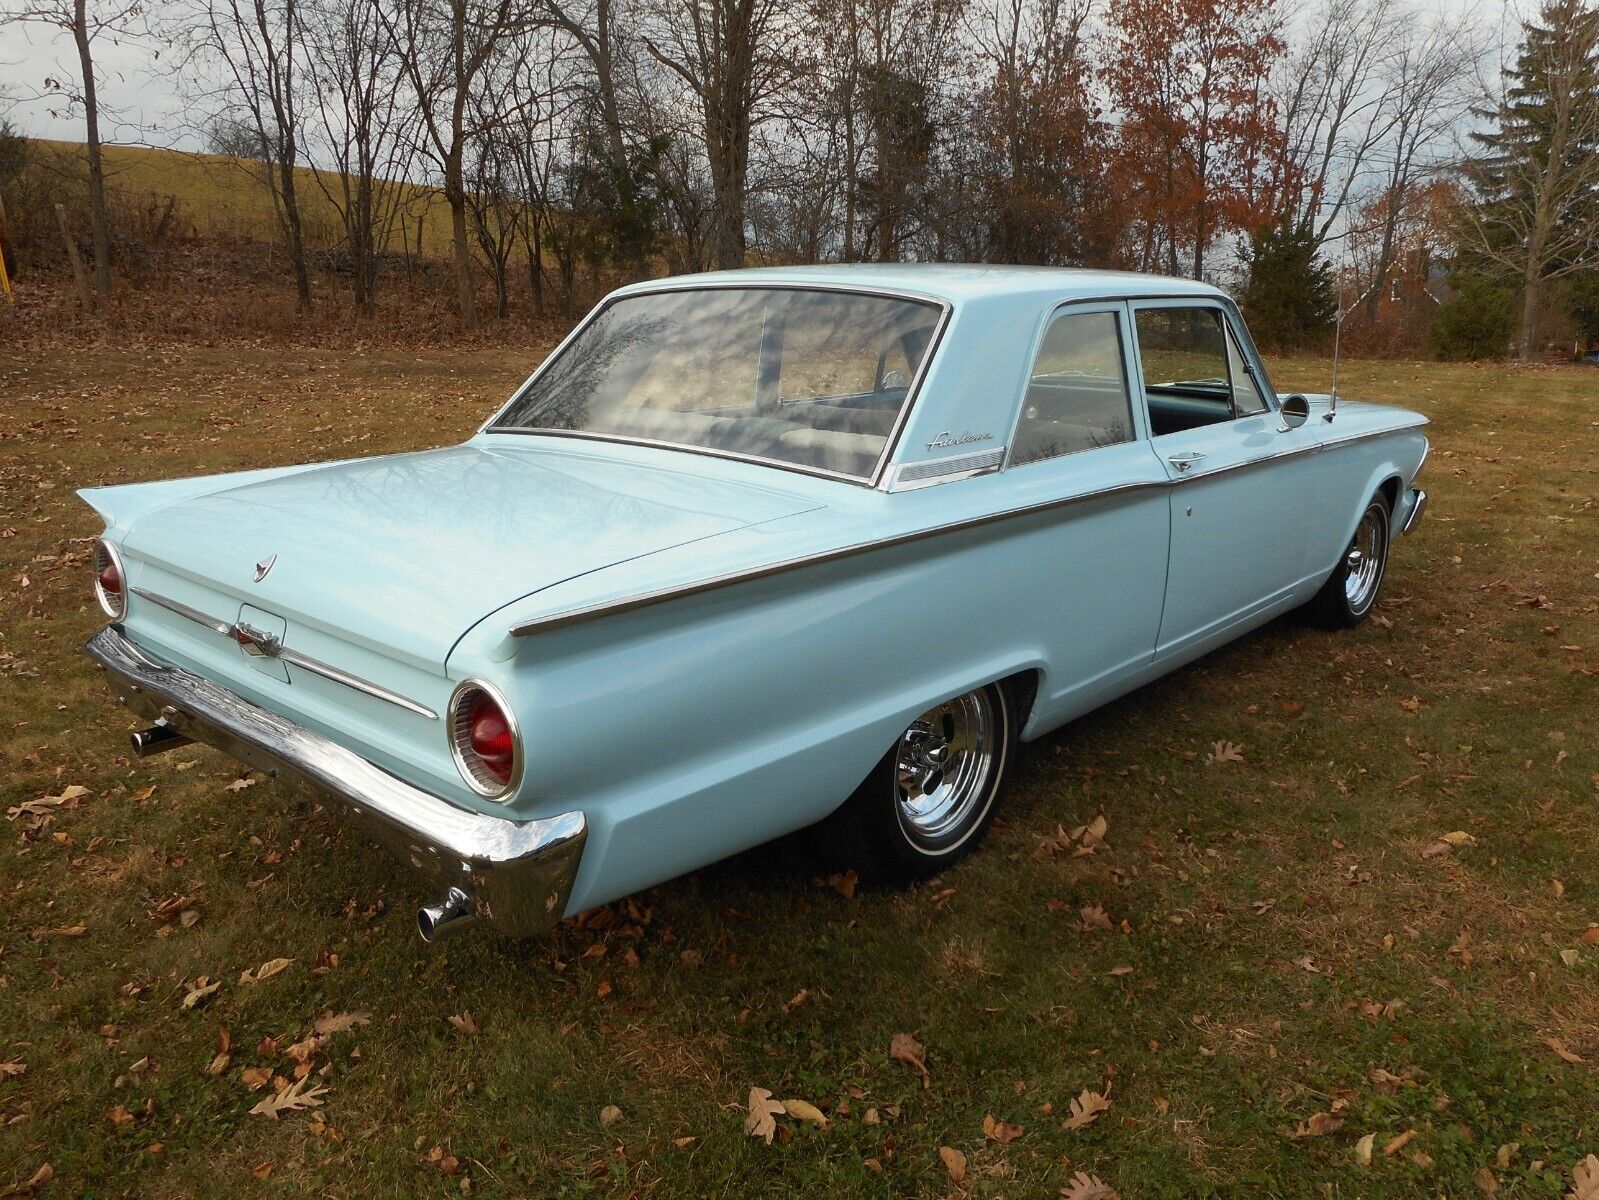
{"points": [[258, 47], [86, 22], [362, 131], [733, 57], [444, 48]]}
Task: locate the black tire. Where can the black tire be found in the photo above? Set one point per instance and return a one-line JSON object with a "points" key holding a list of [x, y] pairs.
{"points": [[878, 830], [1355, 585]]}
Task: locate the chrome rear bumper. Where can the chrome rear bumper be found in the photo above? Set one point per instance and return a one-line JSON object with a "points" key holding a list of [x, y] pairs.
{"points": [[513, 875], [1418, 509]]}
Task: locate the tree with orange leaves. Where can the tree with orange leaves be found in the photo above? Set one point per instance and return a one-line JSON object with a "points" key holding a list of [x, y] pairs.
{"points": [[1189, 83]]}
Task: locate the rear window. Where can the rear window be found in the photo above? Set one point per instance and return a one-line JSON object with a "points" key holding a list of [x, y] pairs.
{"points": [[804, 377]]}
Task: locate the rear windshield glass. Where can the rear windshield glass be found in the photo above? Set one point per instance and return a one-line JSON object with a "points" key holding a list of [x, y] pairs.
{"points": [[814, 379]]}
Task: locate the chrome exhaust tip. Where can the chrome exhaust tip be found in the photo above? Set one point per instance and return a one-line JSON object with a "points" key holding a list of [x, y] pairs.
{"points": [[451, 915], [157, 739]]}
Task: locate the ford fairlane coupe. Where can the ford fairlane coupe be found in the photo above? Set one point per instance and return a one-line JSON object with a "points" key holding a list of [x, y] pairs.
{"points": [[751, 551]]}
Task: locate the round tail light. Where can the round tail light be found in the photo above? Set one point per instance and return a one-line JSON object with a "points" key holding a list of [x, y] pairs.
{"points": [[484, 740], [110, 582]]}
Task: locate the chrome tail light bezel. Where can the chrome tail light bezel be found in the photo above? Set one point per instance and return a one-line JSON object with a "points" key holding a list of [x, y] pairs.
{"points": [[114, 607], [458, 730]]}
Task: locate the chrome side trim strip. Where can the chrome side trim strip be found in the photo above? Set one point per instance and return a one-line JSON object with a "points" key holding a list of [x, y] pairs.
{"points": [[589, 612], [292, 657], [295, 659], [184, 611]]}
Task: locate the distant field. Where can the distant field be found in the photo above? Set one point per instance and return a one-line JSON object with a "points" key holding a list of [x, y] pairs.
{"points": [[222, 197], [1359, 963]]}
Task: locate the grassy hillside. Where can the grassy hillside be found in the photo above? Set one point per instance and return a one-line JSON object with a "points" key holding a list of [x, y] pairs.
{"points": [[227, 198]]}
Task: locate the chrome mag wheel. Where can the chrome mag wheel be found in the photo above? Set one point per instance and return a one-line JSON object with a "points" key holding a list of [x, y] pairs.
{"points": [[944, 769], [1364, 559]]}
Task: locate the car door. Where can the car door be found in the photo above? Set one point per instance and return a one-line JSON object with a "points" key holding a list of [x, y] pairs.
{"points": [[1096, 567], [1239, 496]]}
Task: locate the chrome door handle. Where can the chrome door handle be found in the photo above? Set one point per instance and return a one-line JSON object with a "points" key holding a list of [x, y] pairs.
{"points": [[1184, 460]]}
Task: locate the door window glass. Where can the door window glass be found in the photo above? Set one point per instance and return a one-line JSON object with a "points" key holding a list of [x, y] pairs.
{"points": [[1183, 355], [1077, 391]]}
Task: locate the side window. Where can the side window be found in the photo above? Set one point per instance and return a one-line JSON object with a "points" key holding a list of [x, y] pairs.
{"points": [[1247, 401], [1183, 353], [1077, 391]]}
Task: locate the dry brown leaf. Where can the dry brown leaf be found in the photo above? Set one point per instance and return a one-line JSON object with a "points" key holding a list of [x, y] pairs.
{"points": [[198, 992], [261, 1170], [1226, 752], [1083, 1186], [10, 1070], [954, 1162], [330, 1023], [273, 966], [1002, 1132], [1486, 1183], [1559, 1047], [464, 1024], [1395, 1144], [763, 1113], [1319, 1125], [902, 1047], [610, 1115], [256, 1078], [1120, 971], [1585, 1179], [238, 785], [291, 1099], [1363, 1149], [1086, 1108], [804, 1110], [1590, 936], [40, 1177]]}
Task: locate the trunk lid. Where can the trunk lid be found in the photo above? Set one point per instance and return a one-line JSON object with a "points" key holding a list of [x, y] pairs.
{"points": [[403, 554]]}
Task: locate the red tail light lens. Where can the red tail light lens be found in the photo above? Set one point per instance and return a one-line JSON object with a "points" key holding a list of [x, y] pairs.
{"points": [[491, 738], [483, 740], [110, 584]]}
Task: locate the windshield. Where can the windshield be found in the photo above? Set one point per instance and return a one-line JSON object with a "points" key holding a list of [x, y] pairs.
{"points": [[815, 379]]}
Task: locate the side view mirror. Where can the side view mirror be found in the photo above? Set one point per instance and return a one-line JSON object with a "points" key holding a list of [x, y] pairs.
{"points": [[1294, 410]]}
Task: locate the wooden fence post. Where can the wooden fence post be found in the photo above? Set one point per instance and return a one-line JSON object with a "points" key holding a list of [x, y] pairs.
{"points": [[84, 294]]}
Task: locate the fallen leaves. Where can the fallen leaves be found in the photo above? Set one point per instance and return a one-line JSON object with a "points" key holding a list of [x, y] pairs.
{"points": [[1002, 1132], [1585, 1179], [763, 1114], [274, 966], [1083, 1186], [1363, 1149], [1448, 842], [293, 1098], [330, 1023], [1320, 1124], [804, 1110], [1225, 752], [610, 1115], [199, 991], [1082, 840], [954, 1163], [464, 1024], [902, 1047], [1564, 1054], [1086, 1108]]}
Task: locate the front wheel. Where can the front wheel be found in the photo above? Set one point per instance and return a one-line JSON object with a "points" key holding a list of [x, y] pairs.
{"points": [[1351, 591], [930, 800]]}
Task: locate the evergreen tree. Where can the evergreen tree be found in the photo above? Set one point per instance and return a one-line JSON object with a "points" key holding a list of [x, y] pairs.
{"points": [[1289, 302], [1475, 323], [1536, 180]]}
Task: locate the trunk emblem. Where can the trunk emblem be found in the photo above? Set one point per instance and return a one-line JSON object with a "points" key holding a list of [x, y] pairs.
{"points": [[265, 565], [255, 642]]}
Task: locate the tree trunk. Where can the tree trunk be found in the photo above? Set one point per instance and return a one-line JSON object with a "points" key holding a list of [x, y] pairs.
{"points": [[455, 194], [85, 296], [1531, 297], [99, 222], [291, 229]]}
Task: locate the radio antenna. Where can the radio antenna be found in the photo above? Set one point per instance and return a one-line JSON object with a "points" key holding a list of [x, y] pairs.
{"points": [[1338, 333]]}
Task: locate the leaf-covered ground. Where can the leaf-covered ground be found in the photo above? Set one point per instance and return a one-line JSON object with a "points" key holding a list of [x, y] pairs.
{"points": [[1334, 937]]}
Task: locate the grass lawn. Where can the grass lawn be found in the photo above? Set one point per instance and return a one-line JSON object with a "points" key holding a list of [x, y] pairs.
{"points": [[1267, 965]]}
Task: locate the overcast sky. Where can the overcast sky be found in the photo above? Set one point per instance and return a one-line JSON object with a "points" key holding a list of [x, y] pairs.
{"points": [[141, 96]]}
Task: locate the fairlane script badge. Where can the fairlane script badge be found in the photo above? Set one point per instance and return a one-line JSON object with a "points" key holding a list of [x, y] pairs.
{"points": [[947, 439], [265, 565]]}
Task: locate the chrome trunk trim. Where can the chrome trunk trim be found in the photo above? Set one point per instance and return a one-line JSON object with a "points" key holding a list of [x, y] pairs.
{"points": [[258, 645]]}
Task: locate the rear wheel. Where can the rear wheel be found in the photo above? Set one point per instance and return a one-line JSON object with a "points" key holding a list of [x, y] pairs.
{"points": [[930, 800], [1351, 591]]}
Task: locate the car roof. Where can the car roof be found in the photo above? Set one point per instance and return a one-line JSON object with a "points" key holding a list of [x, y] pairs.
{"points": [[952, 282]]}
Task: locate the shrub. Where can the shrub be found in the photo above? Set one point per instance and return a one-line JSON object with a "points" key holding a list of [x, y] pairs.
{"points": [[1477, 322]]}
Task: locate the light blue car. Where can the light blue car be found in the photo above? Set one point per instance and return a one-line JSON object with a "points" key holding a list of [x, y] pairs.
{"points": [[749, 552]]}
